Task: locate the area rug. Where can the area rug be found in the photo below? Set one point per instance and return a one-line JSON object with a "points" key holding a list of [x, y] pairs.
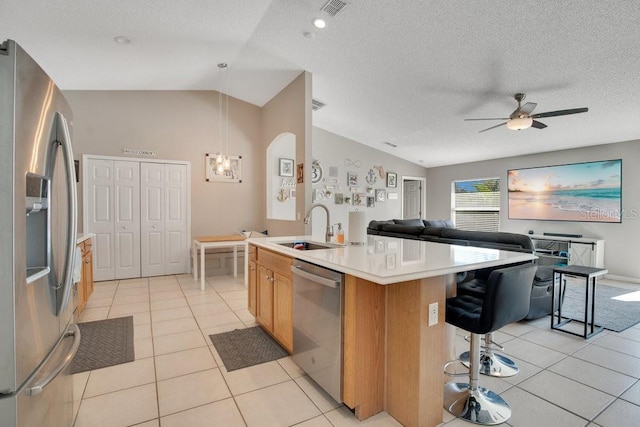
{"points": [[104, 343], [246, 347], [613, 314]]}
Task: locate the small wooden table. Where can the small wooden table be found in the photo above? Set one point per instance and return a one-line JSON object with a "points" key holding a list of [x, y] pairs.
{"points": [[231, 241], [590, 274]]}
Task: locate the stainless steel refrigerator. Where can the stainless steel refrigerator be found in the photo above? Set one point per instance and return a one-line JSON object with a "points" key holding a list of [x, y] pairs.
{"points": [[38, 337]]}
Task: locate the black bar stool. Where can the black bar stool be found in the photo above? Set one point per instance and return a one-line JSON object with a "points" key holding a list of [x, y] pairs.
{"points": [[506, 301], [491, 363]]}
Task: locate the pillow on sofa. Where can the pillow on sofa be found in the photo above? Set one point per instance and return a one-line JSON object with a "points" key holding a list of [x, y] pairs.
{"points": [[399, 229], [377, 225], [445, 223], [411, 222]]}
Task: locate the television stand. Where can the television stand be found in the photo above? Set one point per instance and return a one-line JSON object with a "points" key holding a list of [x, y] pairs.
{"points": [[562, 250]]}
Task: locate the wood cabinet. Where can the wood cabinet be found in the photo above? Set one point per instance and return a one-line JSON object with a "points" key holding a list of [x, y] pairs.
{"points": [[85, 285], [264, 310], [252, 281], [283, 310], [274, 295]]}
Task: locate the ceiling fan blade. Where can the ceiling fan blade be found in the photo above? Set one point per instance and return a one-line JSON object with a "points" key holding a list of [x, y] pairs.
{"points": [[538, 125], [559, 113], [496, 118], [528, 107], [493, 127]]}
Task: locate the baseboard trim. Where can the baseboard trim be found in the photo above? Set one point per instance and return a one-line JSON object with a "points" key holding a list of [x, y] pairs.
{"points": [[621, 278]]}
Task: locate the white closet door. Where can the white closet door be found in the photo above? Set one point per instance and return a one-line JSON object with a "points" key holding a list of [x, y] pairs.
{"points": [[100, 216], [127, 219], [175, 226], [152, 218]]}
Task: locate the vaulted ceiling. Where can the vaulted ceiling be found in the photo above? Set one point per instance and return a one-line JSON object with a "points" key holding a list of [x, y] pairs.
{"points": [[405, 72]]}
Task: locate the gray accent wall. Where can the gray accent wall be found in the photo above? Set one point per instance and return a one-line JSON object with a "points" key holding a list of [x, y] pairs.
{"points": [[344, 154], [622, 247]]}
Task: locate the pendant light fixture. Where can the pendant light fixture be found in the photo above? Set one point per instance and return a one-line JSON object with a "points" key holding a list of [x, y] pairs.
{"points": [[223, 162]]}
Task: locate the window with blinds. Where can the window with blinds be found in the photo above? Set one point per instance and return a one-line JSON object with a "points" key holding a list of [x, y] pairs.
{"points": [[476, 204]]}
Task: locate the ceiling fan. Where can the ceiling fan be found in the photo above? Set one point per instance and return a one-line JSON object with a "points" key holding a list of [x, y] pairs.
{"points": [[522, 118]]}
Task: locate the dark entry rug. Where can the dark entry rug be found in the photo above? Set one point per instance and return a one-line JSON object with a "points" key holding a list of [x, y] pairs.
{"points": [[104, 343], [246, 347], [614, 311]]}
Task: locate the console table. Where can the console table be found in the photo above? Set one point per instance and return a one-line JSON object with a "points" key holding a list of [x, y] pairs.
{"points": [[559, 250], [590, 274], [230, 241]]}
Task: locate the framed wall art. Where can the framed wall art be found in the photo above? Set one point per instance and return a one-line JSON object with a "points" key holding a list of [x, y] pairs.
{"points": [[392, 180], [286, 167], [215, 174]]}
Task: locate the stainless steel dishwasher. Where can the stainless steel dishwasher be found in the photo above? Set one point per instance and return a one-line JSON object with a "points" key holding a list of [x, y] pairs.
{"points": [[317, 324]]}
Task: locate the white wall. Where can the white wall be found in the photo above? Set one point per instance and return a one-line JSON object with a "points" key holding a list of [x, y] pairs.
{"points": [[333, 150], [622, 249], [179, 125]]}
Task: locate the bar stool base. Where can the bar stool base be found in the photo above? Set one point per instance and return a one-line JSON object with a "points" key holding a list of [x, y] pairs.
{"points": [[492, 364], [480, 406]]}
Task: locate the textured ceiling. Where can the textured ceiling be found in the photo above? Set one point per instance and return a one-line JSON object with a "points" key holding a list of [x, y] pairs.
{"points": [[407, 72]]}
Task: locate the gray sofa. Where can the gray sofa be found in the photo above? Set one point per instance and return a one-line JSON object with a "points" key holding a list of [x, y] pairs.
{"points": [[442, 231]]}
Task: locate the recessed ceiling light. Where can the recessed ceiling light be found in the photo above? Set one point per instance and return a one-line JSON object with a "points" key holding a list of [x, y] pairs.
{"points": [[122, 40], [319, 23]]}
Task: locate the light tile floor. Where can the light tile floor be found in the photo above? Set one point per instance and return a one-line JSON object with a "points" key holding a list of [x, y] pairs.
{"points": [[178, 378]]}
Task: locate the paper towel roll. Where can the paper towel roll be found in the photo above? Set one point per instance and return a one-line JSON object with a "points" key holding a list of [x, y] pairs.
{"points": [[357, 228]]}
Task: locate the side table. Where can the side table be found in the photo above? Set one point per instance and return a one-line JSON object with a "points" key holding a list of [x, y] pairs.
{"points": [[590, 274], [206, 242]]}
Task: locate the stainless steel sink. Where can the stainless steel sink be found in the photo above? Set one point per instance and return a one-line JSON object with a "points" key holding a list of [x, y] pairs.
{"points": [[308, 246]]}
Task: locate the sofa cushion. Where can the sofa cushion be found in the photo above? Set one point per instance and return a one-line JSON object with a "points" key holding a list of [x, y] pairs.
{"points": [[446, 223], [376, 225], [411, 222], [402, 229], [501, 239], [432, 231]]}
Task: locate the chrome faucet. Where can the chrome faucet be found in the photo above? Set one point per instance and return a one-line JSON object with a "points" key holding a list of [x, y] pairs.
{"points": [[329, 232]]}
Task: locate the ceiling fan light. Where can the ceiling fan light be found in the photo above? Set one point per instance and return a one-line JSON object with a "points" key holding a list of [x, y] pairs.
{"points": [[520, 123]]}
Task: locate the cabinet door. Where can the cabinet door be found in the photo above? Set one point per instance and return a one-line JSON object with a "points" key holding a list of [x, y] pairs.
{"points": [[283, 310], [87, 269], [265, 298], [80, 287], [581, 254], [252, 304]]}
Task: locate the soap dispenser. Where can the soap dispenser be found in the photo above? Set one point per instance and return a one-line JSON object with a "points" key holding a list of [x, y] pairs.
{"points": [[340, 234]]}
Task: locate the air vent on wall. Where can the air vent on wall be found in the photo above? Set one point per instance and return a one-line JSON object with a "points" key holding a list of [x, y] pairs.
{"points": [[316, 105], [333, 7]]}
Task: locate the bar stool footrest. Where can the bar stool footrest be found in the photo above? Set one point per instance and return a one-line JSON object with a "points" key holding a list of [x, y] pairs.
{"points": [[493, 365]]}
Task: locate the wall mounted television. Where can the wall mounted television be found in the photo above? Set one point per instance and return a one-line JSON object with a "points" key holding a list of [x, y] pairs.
{"points": [[588, 192]]}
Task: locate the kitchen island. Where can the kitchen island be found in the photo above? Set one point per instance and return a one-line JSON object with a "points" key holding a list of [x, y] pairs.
{"points": [[392, 357]]}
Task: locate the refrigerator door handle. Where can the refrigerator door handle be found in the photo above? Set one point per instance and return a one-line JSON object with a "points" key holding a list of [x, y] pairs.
{"points": [[72, 207], [55, 362]]}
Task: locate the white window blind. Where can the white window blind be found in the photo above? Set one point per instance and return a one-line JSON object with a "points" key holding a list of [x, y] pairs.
{"points": [[476, 204]]}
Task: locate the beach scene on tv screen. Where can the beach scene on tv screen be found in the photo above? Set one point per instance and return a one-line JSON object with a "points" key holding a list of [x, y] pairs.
{"points": [[589, 192]]}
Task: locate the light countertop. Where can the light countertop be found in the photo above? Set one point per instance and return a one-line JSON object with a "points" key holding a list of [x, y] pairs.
{"points": [[386, 260], [84, 236]]}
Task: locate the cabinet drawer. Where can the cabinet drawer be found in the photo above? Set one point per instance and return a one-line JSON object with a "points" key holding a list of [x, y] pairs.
{"points": [[252, 253], [276, 262]]}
